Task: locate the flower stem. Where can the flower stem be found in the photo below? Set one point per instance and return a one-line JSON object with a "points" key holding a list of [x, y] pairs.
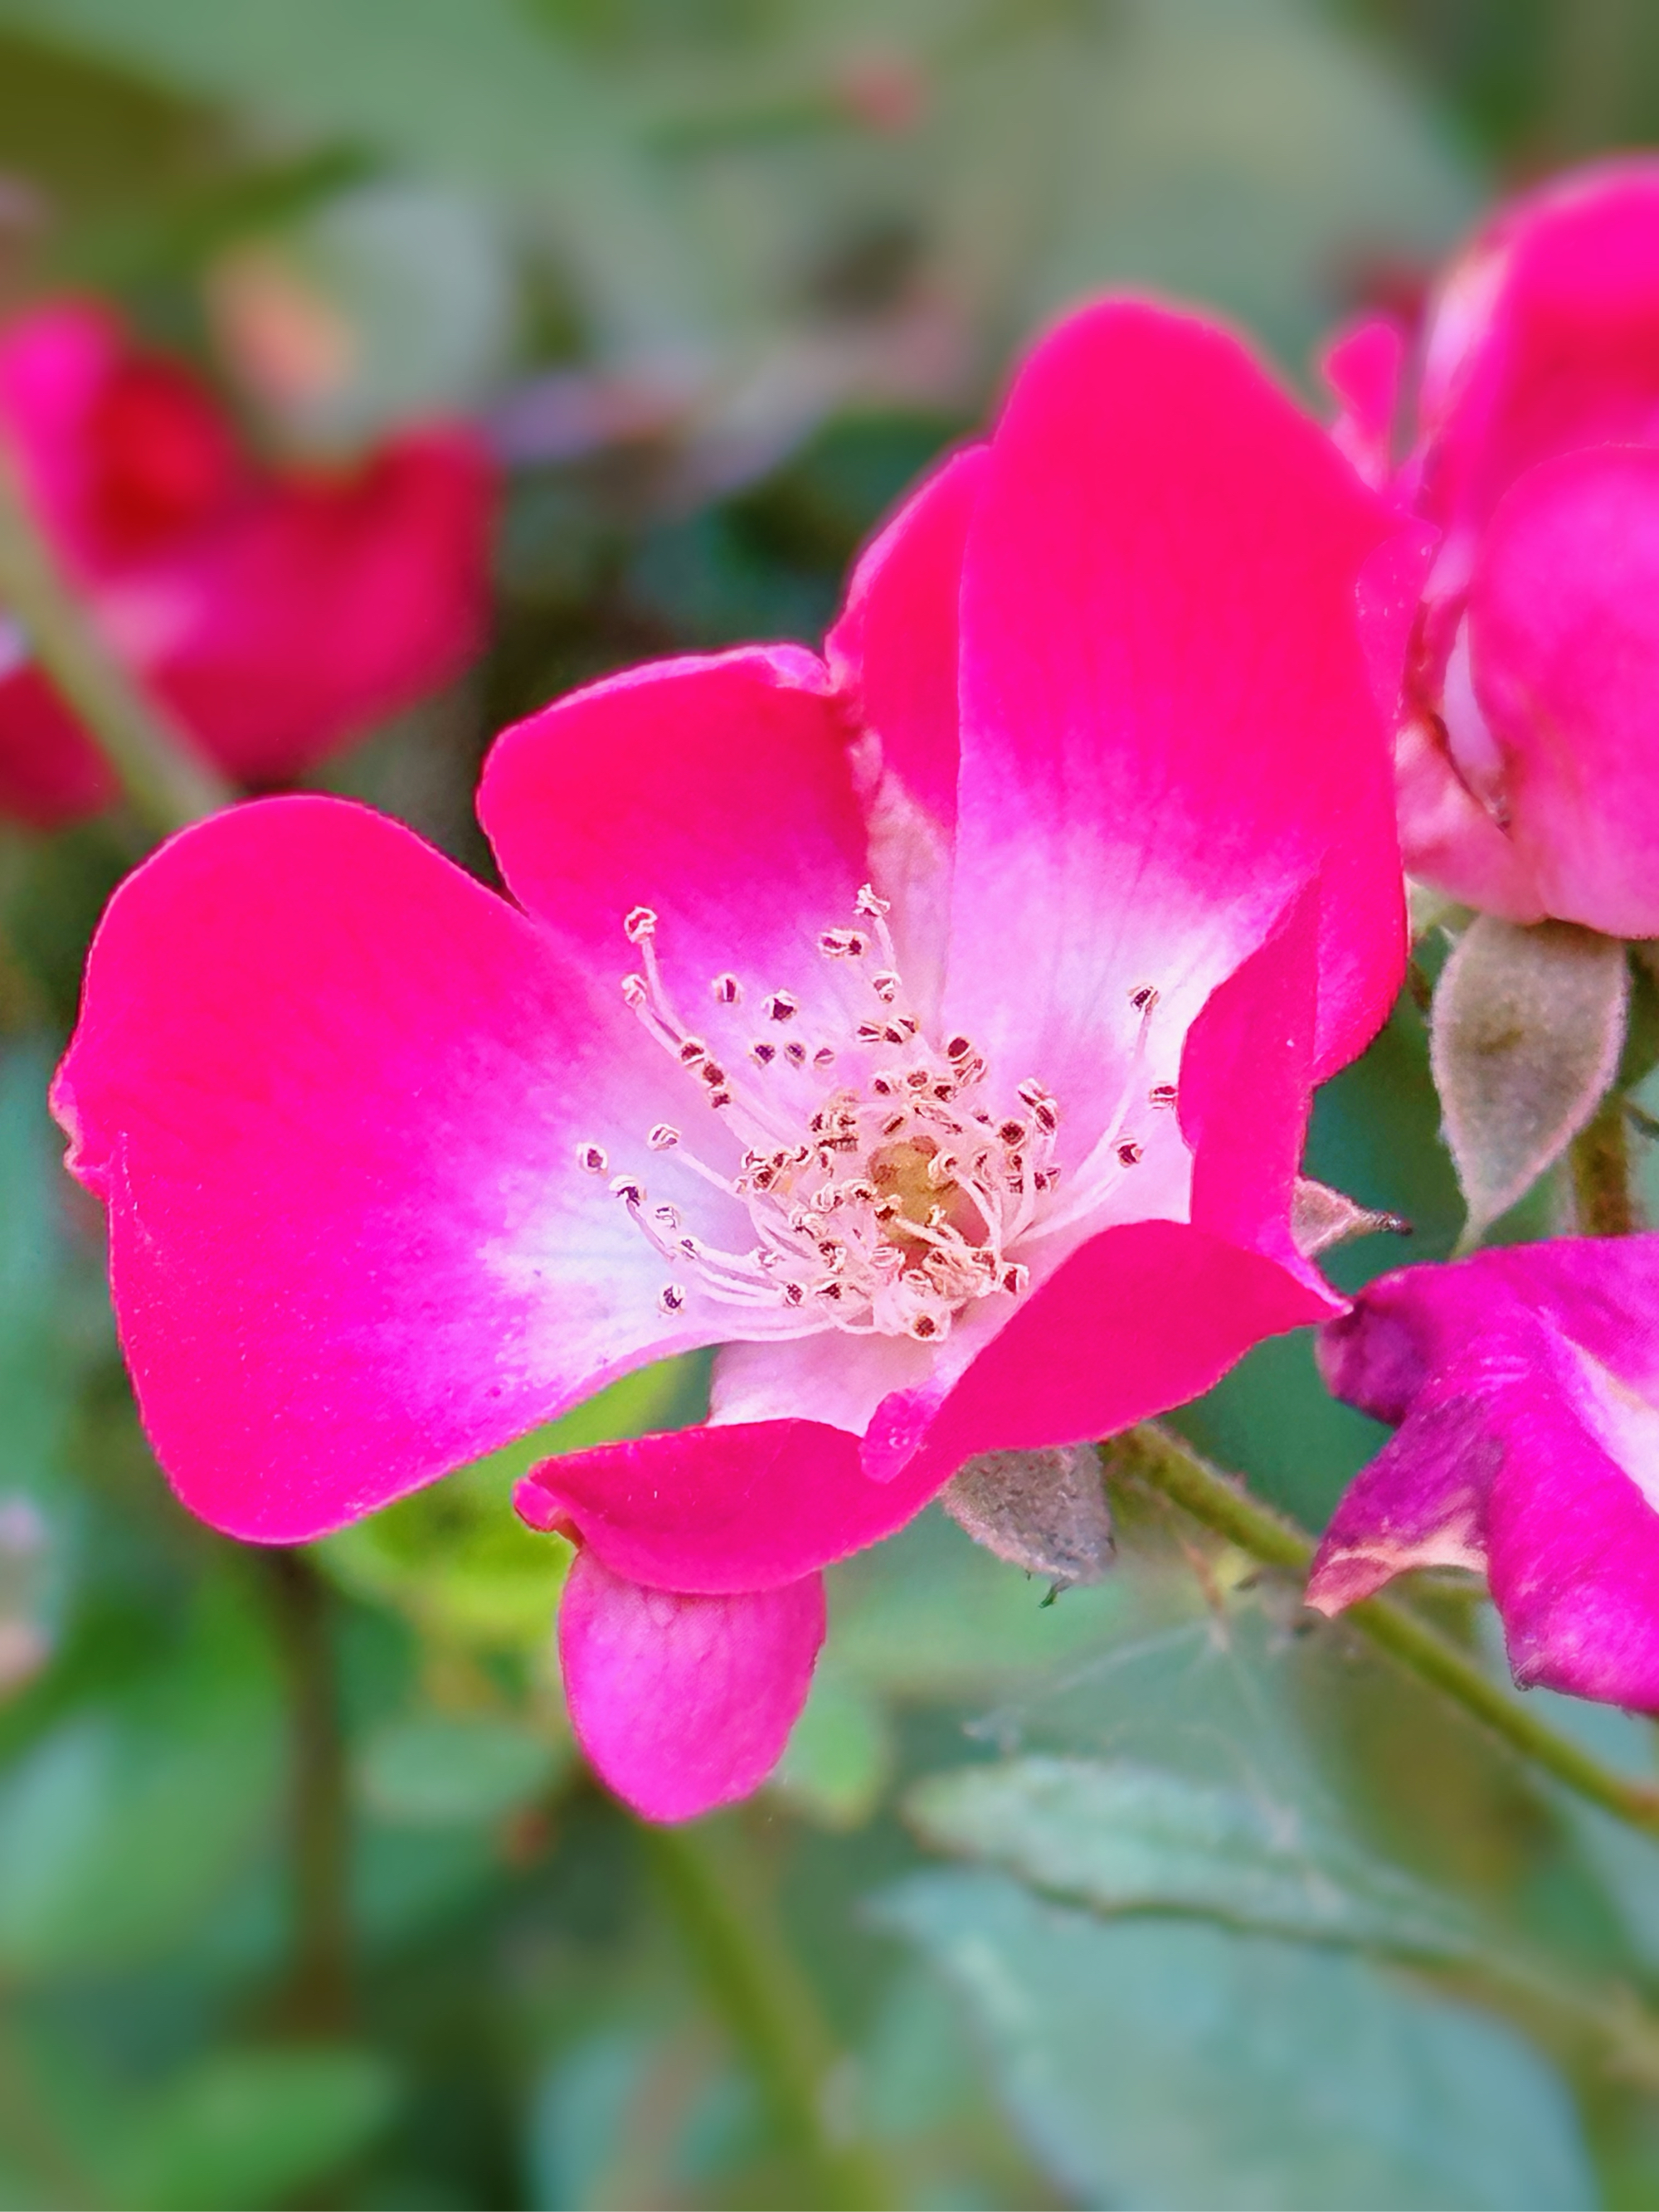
{"points": [[718, 1895], [154, 760], [318, 2000], [1602, 1197], [1220, 1502]]}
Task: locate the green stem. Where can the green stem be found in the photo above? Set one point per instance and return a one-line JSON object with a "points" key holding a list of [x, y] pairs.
{"points": [[154, 760], [1602, 1197], [1222, 1504], [318, 2000], [718, 1895]]}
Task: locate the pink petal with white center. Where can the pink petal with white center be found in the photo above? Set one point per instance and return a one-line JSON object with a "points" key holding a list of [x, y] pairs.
{"points": [[897, 644], [682, 1703], [1141, 1318], [1246, 1091], [1600, 1291], [720, 1509], [333, 1093], [1564, 628], [1362, 366], [1168, 726], [717, 793], [895, 653]]}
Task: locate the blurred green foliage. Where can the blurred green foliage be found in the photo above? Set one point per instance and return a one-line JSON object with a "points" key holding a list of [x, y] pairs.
{"points": [[1148, 1896]]}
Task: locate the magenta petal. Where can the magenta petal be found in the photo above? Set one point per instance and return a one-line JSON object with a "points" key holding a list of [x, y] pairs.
{"points": [[897, 644], [1573, 1536], [1139, 1319], [748, 1507], [1167, 720], [682, 1703], [332, 1092], [1421, 1503], [1362, 365], [1564, 616], [1246, 1089], [718, 792]]}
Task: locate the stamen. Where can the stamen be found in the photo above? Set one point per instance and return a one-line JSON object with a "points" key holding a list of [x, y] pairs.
{"points": [[664, 1137], [672, 1298], [726, 990], [782, 1006], [592, 1158]]}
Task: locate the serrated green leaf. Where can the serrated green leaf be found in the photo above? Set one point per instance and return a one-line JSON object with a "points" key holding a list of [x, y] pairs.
{"points": [[1125, 1837], [1165, 2063]]}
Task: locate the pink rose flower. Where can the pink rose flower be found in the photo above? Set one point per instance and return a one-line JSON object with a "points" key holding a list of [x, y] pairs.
{"points": [[276, 612], [1528, 757], [1524, 1386], [931, 1025]]}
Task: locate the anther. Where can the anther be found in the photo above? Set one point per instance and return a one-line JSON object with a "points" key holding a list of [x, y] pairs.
{"points": [[711, 1074], [641, 923], [635, 990], [1128, 1152], [843, 943], [793, 1294], [664, 1137], [1014, 1279], [726, 990], [925, 1326], [824, 1056], [763, 1053], [691, 1050], [1011, 1132], [885, 984], [1144, 998], [720, 1098], [795, 1054], [1162, 1094], [666, 1217], [959, 1048], [592, 1158], [671, 1298], [630, 1192], [782, 1006], [868, 903]]}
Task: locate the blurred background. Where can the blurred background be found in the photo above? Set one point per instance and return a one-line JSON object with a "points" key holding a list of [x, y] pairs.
{"points": [[304, 1897]]}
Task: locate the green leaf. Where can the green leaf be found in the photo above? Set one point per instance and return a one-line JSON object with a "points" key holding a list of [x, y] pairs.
{"points": [[252, 2128], [456, 1558], [452, 1770], [840, 1752], [1528, 1025], [1167, 2062], [142, 1799], [469, 88], [1124, 1837]]}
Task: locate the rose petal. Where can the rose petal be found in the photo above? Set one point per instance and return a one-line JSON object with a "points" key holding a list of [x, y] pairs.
{"points": [[1167, 720], [332, 1092], [1142, 1318], [718, 792], [1564, 627], [682, 1703], [724, 1508]]}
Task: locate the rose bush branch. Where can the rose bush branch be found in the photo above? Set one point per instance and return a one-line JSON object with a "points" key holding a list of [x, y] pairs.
{"points": [[154, 760], [716, 1895], [1151, 1456]]}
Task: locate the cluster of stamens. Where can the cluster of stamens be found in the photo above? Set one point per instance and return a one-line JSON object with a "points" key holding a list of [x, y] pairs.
{"points": [[885, 1193]]}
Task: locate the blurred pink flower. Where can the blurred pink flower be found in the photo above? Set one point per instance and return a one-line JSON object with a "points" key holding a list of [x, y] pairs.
{"points": [[276, 612], [1528, 758], [1524, 1384], [932, 1025]]}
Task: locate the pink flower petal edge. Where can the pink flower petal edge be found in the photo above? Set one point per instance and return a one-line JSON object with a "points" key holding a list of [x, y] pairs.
{"points": [[1524, 1385], [682, 1703]]}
